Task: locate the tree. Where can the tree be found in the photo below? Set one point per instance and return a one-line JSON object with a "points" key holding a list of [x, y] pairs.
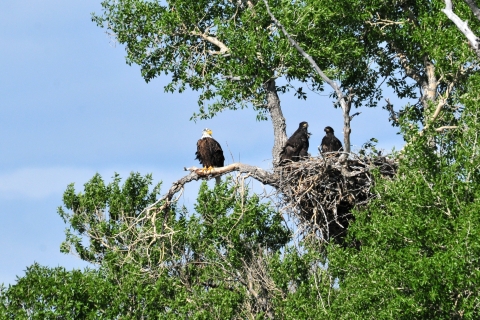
{"points": [[411, 250], [45, 293], [463, 25], [231, 258], [205, 263], [419, 244], [231, 51]]}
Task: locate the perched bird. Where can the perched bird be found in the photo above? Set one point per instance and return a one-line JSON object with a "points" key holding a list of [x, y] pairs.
{"points": [[330, 143], [296, 146], [209, 152]]}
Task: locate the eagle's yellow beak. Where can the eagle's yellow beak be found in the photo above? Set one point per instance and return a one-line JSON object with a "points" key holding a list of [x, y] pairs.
{"points": [[209, 132]]}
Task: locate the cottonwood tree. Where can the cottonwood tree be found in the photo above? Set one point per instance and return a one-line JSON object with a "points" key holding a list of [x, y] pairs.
{"points": [[412, 251], [419, 240], [233, 53]]}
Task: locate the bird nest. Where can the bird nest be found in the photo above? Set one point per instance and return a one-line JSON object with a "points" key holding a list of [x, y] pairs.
{"points": [[321, 192]]}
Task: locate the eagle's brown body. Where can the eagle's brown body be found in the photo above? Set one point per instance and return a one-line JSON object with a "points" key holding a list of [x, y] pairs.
{"points": [[209, 152], [297, 145], [330, 143]]}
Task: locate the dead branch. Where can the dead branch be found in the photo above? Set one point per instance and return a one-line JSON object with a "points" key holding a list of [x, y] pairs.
{"points": [[257, 173], [198, 173]]}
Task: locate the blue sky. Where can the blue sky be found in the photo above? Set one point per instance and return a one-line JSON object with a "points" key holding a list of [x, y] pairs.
{"points": [[70, 106]]}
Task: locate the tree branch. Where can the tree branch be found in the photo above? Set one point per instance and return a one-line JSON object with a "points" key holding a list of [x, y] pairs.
{"points": [[278, 120], [440, 129], [409, 71], [463, 25], [393, 115], [473, 6], [257, 173], [214, 41], [196, 174], [343, 103]]}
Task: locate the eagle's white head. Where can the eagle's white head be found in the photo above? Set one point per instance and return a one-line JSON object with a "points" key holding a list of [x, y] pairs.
{"points": [[206, 133]]}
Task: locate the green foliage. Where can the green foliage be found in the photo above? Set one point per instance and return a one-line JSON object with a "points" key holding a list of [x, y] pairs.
{"points": [[420, 244], [45, 293], [102, 214], [228, 50], [416, 246], [199, 270], [303, 285]]}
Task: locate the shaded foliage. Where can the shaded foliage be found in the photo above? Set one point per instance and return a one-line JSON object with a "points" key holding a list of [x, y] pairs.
{"points": [[420, 240]]}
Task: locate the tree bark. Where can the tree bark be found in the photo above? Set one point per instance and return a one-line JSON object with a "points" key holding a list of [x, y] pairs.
{"points": [[346, 106], [345, 103], [278, 121], [473, 6]]}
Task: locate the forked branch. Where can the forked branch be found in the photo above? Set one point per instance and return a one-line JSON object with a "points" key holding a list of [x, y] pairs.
{"points": [[196, 174], [223, 48], [345, 102]]}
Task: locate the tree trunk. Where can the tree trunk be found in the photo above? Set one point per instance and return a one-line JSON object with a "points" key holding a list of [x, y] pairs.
{"points": [[278, 121], [346, 105]]}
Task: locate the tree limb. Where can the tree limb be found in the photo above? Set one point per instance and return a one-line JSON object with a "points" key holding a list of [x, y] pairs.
{"points": [[440, 129], [473, 6], [278, 120], [441, 103], [214, 41], [409, 71], [196, 174], [343, 102], [463, 25]]}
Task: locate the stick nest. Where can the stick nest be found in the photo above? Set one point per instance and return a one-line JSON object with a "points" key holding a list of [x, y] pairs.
{"points": [[321, 192]]}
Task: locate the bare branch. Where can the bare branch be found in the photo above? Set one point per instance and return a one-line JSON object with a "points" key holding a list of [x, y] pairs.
{"points": [[212, 40], [393, 114], [255, 172], [463, 25], [198, 173], [440, 129]]}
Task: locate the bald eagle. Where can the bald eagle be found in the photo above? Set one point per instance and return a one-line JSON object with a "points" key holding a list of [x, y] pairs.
{"points": [[296, 146], [330, 143], [209, 152]]}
